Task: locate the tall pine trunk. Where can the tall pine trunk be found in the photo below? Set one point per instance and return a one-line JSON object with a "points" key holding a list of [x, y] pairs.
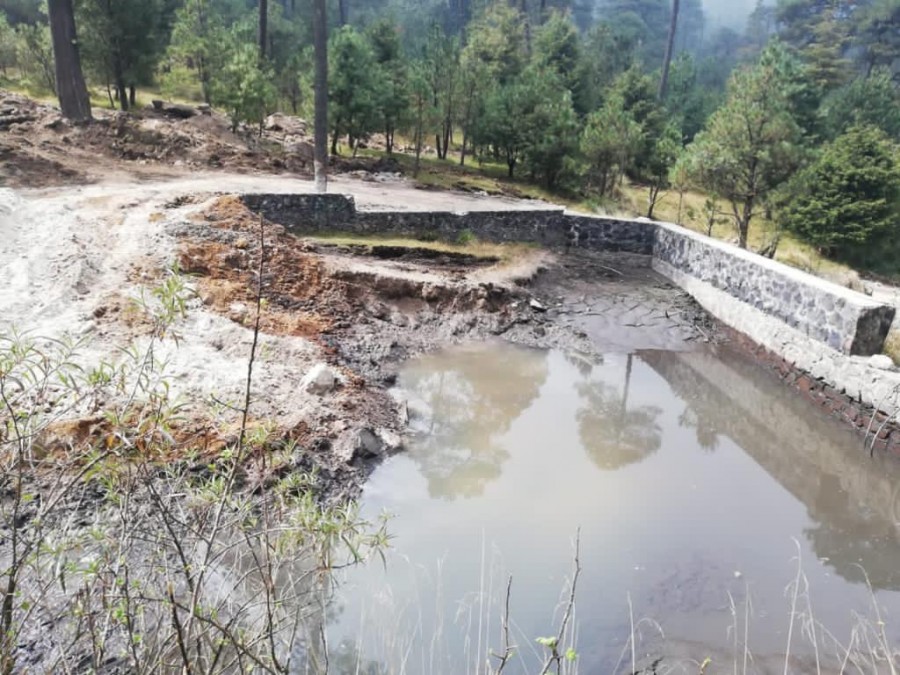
{"points": [[320, 42], [74, 100], [670, 45], [344, 12], [263, 28], [119, 77]]}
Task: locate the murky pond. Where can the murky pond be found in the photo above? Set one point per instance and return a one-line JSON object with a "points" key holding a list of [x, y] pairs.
{"points": [[696, 480]]}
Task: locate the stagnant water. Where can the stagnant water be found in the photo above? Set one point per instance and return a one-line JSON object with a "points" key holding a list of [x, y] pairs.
{"points": [[696, 480]]}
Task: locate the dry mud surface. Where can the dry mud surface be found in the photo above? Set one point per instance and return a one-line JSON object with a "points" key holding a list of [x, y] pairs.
{"points": [[74, 258]]}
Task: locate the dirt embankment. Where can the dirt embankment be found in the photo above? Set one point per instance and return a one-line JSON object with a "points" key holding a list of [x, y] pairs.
{"points": [[371, 307], [76, 258], [39, 148]]}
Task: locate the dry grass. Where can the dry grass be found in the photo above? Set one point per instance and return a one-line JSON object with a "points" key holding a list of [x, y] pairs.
{"points": [[892, 346]]}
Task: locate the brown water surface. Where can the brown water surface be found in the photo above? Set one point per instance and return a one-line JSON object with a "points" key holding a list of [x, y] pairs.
{"points": [[696, 480]]}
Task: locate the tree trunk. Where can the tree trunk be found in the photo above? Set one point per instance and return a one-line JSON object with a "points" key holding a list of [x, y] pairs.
{"points": [[263, 28], [667, 61], [465, 142], [119, 77], [654, 197], [743, 221], [448, 130], [344, 10], [74, 100], [132, 96], [320, 40]]}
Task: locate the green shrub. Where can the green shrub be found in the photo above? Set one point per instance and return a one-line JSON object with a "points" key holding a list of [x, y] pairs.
{"points": [[847, 203]]}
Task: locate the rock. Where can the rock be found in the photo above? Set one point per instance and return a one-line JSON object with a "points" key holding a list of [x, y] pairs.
{"points": [[390, 442], [293, 126], [238, 311], [177, 110], [882, 362], [233, 259], [368, 445], [536, 306], [320, 380]]}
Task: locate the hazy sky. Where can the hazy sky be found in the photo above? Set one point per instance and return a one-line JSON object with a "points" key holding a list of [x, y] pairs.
{"points": [[730, 12]]}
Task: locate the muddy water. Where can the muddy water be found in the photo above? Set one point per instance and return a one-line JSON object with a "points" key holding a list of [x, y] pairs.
{"points": [[695, 480]]}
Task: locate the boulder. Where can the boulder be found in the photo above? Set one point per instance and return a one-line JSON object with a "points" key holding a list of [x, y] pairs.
{"points": [[286, 124], [321, 379], [881, 361], [238, 311], [367, 444]]}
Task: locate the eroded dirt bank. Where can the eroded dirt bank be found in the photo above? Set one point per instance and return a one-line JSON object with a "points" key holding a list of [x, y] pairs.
{"points": [[77, 257]]}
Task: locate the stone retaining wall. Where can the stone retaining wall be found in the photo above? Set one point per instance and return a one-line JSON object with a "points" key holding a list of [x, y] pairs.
{"points": [[550, 227], [821, 328], [838, 317]]}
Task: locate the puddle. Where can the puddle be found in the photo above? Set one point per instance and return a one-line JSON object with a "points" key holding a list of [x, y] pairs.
{"points": [[695, 480]]}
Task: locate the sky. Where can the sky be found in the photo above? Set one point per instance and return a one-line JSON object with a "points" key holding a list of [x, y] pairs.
{"points": [[729, 12]]}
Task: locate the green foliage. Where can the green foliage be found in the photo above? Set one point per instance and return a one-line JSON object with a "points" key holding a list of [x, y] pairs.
{"points": [[121, 42], [688, 101], [847, 203], [8, 45], [466, 237], [552, 148], [663, 154], [201, 42], [34, 57], [629, 134], [393, 86], [497, 40], [750, 145], [245, 88], [876, 33], [354, 86], [603, 58], [23, 11], [873, 100], [441, 69], [641, 26], [610, 139], [639, 101], [557, 48], [501, 128]]}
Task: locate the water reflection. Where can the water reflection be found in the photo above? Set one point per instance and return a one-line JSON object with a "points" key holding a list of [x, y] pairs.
{"points": [[725, 468], [613, 434], [851, 499], [463, 402]]}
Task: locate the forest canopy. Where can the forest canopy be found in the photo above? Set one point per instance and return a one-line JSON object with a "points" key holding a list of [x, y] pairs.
{"points": [[579, 96]]}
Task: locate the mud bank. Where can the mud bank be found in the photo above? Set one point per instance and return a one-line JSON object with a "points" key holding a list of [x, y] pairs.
{"points": [[369, 308], [823, 333]]}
